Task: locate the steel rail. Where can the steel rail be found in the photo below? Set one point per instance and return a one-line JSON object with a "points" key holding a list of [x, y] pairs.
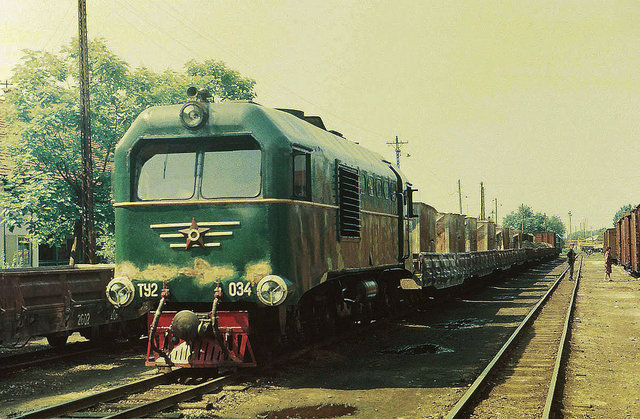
{"points": [[20, 361], [471, 393], [104, 396], [561, 349], [171, 400], [44, 356]]}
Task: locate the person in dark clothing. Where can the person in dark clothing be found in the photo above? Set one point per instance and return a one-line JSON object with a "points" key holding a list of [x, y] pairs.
{"points": [[571, 258], [608, 261]]}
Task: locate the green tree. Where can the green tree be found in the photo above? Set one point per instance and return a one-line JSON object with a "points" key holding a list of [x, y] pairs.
{"points": [[42, 190], [533, 222], [622, 211]]}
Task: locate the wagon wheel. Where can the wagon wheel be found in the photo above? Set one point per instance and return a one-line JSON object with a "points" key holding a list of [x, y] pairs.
{"points": [[386, 303], [57, 340], [294, 335], [343, 314]]}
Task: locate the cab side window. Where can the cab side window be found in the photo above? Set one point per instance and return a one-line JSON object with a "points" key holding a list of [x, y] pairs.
{"points": [[301, 175]]}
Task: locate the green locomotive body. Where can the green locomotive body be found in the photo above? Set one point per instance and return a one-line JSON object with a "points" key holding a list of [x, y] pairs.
{"points": [[258, 203]]}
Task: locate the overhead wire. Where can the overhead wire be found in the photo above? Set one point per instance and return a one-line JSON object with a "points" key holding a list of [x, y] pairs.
{"points": [[158, 27], [136, 25], [175, 15], [59, 28]]}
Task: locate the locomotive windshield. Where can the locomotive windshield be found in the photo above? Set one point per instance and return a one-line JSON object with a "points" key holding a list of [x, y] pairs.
{"points": [[231, 174], [203, 169]]}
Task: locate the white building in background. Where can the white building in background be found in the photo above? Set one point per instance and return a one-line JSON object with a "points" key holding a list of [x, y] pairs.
{"points": [[16, 249]]}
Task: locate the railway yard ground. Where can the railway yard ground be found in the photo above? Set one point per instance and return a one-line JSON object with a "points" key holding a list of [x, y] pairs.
{"points": [[415, 367]]}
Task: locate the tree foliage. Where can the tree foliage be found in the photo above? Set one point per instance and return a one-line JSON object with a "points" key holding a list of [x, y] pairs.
{"points": [[42, 191], [622, 211], [533, 222], [585, 234]]}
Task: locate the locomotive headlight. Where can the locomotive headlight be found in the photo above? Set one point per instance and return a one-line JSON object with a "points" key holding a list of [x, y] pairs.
{"points": [[120, 291], [193, 115], [272, 290]]}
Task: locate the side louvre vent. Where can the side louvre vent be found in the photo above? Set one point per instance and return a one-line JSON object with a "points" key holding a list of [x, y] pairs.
{"points": [[349, 195]]}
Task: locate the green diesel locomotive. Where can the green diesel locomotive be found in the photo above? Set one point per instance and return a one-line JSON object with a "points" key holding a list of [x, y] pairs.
{"points": [[240, 228], [244, 218]]}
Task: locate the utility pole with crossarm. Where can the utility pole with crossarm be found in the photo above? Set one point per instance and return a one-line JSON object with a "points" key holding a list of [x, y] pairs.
{"points": [[398, 145]]}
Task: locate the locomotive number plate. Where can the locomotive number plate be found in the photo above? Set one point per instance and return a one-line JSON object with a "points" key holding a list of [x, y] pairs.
{"points": [[238, 289], [83, 319], [148, 290]]}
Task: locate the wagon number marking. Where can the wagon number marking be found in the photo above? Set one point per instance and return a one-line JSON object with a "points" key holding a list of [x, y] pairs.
{"points": [[239, 289], [148, 289], [83, 319]]}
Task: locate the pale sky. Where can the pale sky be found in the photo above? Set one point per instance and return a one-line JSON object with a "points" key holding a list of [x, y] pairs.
{"points": [[539, 100]]}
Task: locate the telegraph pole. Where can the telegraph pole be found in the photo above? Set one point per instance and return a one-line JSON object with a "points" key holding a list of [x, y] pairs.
{"points": [[495, 201], [88, 232], [521, 236], [482, 201], [398, 145], [460, 195], [569, 225]]}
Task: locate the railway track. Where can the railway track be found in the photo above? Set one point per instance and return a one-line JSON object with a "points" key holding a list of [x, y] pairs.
{"points": [[161, 392], [41, 357], [522, 379], [139, 398], [20, 361]]}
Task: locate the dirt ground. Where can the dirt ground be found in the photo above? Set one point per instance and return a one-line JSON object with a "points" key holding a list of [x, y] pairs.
{"points": [[38, 387], [410, 369], [603, 370], [414, 368], [417, 367], [35, 344]]}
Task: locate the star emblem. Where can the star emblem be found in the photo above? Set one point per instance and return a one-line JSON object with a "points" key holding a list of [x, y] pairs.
{"points": [[194, 234]]}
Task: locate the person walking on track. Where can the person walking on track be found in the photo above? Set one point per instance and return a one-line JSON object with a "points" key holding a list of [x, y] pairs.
{"points": [[608, 261], [571, 258]]}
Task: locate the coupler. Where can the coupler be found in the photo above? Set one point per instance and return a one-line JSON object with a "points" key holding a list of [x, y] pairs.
{"points": [[199, 340]]}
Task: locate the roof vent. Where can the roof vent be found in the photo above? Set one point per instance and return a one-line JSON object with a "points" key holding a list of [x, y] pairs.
{"points": [[312, 119], [295, 112], [316, 121]]}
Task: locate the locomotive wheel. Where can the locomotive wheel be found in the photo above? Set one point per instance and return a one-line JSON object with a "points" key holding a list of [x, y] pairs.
{"points": [[343, 316], [329, 318], [293, 330], [57, 340], [388, 303], [362, 313]]}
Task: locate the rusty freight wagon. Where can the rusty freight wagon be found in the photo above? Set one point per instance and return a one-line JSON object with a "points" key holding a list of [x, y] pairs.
{"points": [[610, 240], [486, 235], [57, 301], [423, 228], [628, 240], [625, 240], [547, 237], [471, 234], [619, 240], [504, 239], [450, 233]]}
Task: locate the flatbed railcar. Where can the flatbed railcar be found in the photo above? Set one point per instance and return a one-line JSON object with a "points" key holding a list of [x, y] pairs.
{"points": [[240, 228], [57, 301]]}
